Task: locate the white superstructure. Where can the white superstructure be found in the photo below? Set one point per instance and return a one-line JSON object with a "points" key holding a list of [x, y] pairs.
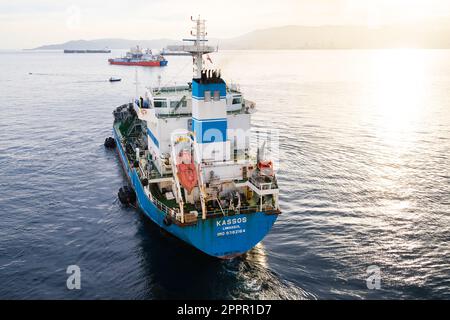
{"points": [[198, 143]]}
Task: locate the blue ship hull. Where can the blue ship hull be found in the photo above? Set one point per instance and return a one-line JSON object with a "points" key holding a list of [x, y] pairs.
{"points": [[223, 237]]}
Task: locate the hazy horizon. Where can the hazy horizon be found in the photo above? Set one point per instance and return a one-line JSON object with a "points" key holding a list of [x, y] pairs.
{"points": [[32, 24]]}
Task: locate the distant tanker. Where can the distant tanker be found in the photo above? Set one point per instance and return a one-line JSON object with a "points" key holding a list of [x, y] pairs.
{"points": [[135, 57]]}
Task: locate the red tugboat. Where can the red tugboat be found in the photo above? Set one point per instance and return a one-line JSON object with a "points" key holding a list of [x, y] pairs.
{"points": [[135, 57]]}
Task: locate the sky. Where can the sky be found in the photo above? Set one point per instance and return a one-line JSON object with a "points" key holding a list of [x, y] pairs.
{"points": [[31, 23]]}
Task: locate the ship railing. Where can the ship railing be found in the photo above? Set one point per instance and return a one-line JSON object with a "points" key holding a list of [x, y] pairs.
{"points": [[168, 210], [154, 174], [263, 185], [241, 210], [171, 89], [173, 115], [173, 212]]}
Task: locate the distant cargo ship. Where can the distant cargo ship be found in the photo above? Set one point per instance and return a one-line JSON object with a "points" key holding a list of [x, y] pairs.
{"points": [[176, 51], [171, 51], [135, 57], [87, 51]]}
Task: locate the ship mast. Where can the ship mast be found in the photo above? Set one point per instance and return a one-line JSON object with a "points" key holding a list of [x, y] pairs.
{"points": [[200, 33], [199, 47]]}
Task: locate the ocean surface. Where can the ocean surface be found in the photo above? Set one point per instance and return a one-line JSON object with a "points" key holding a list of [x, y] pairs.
{"points": [[364, 162]]}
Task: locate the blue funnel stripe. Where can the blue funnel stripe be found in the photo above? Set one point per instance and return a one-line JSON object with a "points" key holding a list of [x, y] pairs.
{"points": [[207, 131], [198, 90]]}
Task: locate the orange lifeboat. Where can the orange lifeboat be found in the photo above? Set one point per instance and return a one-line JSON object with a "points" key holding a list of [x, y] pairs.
{"points": [[187, 176]]}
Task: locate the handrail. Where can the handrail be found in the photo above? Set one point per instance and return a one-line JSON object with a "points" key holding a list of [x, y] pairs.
{"points": [[154, 174], [242, 209], [171, 211], [263, 185]]}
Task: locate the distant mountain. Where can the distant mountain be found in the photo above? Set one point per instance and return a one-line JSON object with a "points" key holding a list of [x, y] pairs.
{"points": [[423, 35], [342, 37], [109, 43]]}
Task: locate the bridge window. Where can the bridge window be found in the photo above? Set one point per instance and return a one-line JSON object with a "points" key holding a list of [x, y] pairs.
{"points": [[160, 103], [237, 100]]}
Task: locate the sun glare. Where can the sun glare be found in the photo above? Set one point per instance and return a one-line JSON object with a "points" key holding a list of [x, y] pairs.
{"points": [[400, 87]]}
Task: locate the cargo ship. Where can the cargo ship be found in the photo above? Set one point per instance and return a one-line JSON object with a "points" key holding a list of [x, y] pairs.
{"points": [[186, 153], [137, 57]]}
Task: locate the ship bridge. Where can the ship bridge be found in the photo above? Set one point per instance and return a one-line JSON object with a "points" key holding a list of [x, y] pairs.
{"points": [[176, 101]]}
